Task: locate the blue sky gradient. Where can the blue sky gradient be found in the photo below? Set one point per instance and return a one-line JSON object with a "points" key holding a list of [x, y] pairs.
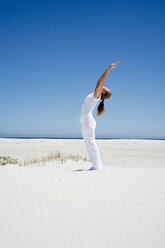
{"points": [[53, 53]]}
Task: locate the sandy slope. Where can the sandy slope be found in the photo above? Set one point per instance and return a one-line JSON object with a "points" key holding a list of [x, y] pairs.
{"points": [[45, 206], [61, 205]]}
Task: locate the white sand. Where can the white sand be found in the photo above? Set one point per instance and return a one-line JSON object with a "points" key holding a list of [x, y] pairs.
{"points": [[58, 205]]}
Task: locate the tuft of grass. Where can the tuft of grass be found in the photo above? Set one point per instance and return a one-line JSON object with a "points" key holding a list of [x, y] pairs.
{"points": [[8, 160], [54, 157]]}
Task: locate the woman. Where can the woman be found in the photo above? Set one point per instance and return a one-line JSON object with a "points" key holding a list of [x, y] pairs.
{"points": [[88, 123]]}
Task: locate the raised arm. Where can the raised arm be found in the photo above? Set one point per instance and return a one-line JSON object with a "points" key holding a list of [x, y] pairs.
{"points": [[102, 79]]}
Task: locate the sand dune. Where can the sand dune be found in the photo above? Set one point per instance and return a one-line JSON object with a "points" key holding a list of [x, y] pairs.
{"points": [[115, 152], [65, 205]]}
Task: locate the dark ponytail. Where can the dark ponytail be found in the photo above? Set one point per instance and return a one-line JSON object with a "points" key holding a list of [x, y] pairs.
{"points": [[106, 96], [100, 109]]}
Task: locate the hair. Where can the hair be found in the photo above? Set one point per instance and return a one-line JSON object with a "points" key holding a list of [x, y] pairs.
{"points": [[106, 96]]}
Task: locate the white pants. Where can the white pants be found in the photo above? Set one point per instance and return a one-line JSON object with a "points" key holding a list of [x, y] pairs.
{"points": [[88, 134]]}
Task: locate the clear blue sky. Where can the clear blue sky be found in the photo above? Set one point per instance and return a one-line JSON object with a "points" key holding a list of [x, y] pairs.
{"points": [[53, 52]]}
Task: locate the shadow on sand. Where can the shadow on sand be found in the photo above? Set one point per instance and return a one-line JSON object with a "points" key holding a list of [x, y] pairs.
{"points": [[81, 170]]}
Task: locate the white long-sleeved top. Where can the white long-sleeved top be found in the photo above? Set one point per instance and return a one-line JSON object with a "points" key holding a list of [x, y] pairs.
{"points": [[88, 106]]}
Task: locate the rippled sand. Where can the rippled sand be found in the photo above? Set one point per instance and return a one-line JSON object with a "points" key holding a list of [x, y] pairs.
{"points": [[65, 205]]}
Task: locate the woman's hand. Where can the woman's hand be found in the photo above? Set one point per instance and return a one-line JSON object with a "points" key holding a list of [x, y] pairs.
{"points": [[113, 65]]}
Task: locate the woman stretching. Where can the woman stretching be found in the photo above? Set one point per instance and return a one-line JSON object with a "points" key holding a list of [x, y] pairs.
{"points": [[88, 123]]}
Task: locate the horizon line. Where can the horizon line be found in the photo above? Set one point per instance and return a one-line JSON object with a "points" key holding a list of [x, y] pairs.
{"points": [[45, 137]]}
